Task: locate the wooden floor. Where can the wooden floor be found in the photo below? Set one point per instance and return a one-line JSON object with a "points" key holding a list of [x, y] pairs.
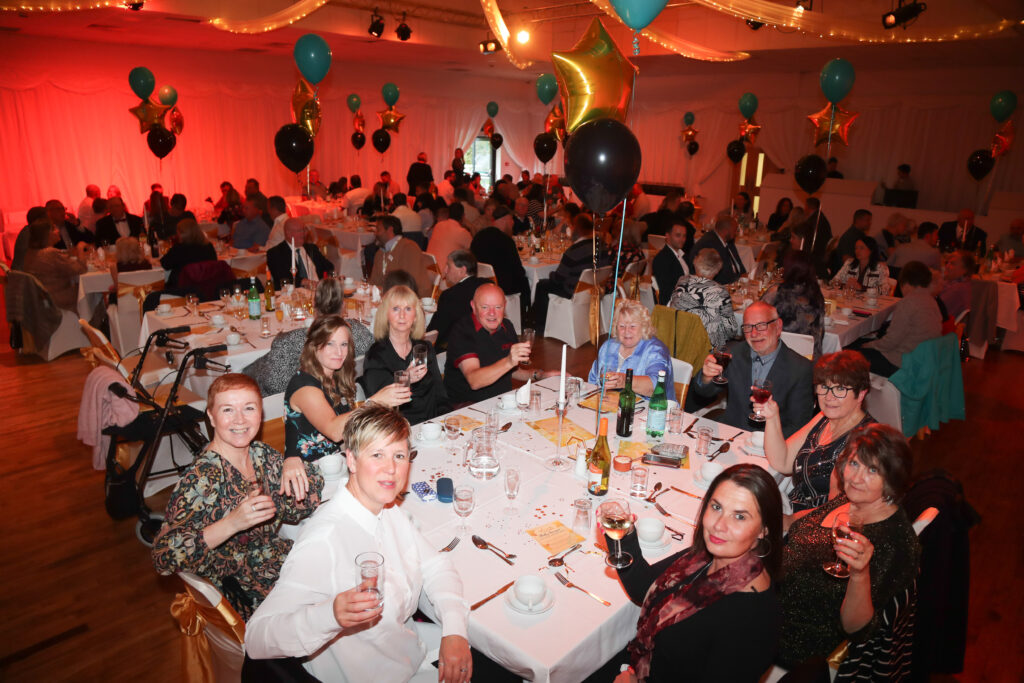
{"points": [[81, 602]]}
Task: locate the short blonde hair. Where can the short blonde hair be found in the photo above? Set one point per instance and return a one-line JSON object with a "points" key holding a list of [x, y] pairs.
{"points": [[189, 232], [129, 250], [399, 294], [635, 310], [371, 422]]}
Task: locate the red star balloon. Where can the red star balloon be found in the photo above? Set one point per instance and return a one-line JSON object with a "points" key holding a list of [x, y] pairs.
{"points": [[176, 119], [358, 122], [1003, 139], [595, 78], [149, 114], [555, 122], [689, 134], [488, 128], [749, 130], [390, 119], [825, 125]]}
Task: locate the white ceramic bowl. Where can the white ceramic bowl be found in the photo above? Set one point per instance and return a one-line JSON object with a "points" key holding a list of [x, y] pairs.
{"points": [[233, 338], [757, 439], [650, 530], [164, 308], [508, 401], [710, 470], [530, 590], [430, 431]]}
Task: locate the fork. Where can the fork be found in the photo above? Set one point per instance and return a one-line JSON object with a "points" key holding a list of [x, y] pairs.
{"points": [[451, 545], [662, 510], [569, 584]]}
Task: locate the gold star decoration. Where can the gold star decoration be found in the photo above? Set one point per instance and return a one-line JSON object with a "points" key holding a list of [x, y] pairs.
{"points": [[689, 134], [149, 114], [390, 119], [488, 128], [825, 125], [555, 122], [1003, 139], [595, 78], [358, 122], [749, 130], [303, 93]]}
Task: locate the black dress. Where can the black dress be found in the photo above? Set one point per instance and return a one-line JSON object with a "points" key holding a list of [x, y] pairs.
{"points": [[301, 438], [429, 397], [181, 255], [813, 465]]}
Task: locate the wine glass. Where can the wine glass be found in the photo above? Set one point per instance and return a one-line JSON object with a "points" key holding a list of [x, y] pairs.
{"points": [[842, 526], [760, 392], [526, 336], [452, 429], [617, 521], [192, 304], [463, 502], [225, 296], [511, 487], [722, 357], [419, 353]]}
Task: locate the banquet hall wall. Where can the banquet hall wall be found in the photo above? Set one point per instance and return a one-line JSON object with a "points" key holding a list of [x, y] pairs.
{"points": [[64, 122]]}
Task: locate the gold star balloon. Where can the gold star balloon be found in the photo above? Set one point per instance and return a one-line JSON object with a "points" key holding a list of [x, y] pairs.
{"points": [[1003, 139], [310, 117], [689, 134], [390, 119], [149, 114], [358, 122], [302, 95], [555, 122], [488, 128], [825, 125], [749, 130], [595, 78]]}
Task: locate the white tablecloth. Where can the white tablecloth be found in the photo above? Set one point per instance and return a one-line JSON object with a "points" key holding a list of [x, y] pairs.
{"points": [[535, 272], [749, 250], [349, 235], [578, 635]]}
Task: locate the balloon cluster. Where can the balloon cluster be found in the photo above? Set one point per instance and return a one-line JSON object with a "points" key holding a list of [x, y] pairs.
{"points": [[836, 81], [293, 142], [358, 122], [390, 119], [737, 149], [496, 139], [160, 119], [690, 134], [981, 161]]}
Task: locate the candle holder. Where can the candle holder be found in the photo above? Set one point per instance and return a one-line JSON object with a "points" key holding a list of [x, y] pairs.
{"points": [[558, 463]]}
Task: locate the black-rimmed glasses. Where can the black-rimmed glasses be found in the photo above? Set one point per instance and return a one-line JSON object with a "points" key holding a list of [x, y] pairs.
{"points": [[837, 390], [760, 327]]}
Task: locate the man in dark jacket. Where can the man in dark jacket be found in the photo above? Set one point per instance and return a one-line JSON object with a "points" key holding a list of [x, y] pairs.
{"points": [[576, 259], [310, 264], [454, 302], [494, 245], [117, 223], [723, 240], [420, 175], [670, 263]]}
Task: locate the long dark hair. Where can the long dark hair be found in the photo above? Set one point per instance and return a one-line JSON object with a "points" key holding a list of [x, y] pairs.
{"points": [[798, 274], [769, 504], [340, 384]]}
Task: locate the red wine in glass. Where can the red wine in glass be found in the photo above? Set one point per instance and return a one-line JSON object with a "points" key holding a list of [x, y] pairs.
{"points": [[722, 357], [760, 392]]}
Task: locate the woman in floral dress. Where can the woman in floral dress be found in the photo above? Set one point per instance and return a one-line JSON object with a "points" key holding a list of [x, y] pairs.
{"points": [[223, 515]]}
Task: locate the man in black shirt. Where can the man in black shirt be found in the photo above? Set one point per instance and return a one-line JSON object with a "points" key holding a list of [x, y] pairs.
{"points": [[815, 233], [576, 259], [844, 248], [455, 302], [484, 351]]}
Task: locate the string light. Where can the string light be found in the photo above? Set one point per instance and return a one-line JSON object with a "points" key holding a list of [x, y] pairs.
{"points": [[270, 22], [58, 7], [500, 29]]}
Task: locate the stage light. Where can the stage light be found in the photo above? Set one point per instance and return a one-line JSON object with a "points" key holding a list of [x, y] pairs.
{"points": [[376, 24], [804, 5], [523, 37], [903, 15], [403, 31], [489, 46], [754, 25]]}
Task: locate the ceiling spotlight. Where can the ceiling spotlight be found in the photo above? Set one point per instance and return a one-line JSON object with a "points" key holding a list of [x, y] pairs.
{"points": [[376, 24], [403, 31], [489, 46], [804, 5], [134, 6], [523, 37], [903, 15], [754, 25]]}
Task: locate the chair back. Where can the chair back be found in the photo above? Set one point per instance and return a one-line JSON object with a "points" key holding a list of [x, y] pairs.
{"points": [[801, 343], [924, 519], [203, 614], [931, 385], [486, 271], [682, 373], [887, 654], [656, 242], [883, 402], [101, 351], [637, 267], [205, 278], [430, 336]]}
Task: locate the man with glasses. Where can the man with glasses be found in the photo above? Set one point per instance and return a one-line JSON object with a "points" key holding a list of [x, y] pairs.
{"points": [[762, 356]]}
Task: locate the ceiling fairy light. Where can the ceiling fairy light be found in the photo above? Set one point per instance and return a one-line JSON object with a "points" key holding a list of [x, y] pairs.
{"points": [[903, 15], [376, 28], [403, 31]]}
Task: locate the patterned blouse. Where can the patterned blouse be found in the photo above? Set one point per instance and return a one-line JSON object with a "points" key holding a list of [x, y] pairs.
{"points": [[301, 438], [802, 311], [648, 357], [812, 468], [209, 490], [879, 275], [710, 302]]}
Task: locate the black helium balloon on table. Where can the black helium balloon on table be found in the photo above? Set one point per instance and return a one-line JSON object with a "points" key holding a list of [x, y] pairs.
{"points": [[358, 140], [602, 163], [544, 146], [161, 141], [735, 151], [294, 147], [381, 140], [980, 163], [810, 173]]}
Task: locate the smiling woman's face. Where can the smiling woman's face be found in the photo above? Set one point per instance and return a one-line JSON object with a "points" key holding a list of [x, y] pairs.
{"points": [[379, 472], [732, 522]]}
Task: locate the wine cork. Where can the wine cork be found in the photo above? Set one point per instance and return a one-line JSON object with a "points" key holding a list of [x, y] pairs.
{"points": [[622, 463]]}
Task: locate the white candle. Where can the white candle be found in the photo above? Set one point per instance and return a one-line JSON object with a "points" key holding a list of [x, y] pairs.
{"points": [[561, 381], [293, 253]]}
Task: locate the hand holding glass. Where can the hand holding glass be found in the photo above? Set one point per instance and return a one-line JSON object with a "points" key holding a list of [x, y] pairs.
{"points": [[370, 569]]}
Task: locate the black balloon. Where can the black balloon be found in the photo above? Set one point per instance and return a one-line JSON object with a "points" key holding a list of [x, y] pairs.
{"points": [[381, 140], [294, 147], [692, 147], [161, 141], [544, 146], [810, 173], [980, 163], [735, 151], [496, 141], [602, 163], [358, 140]]}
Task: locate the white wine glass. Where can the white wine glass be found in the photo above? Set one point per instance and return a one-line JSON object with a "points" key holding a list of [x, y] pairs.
{"points": [[463, 503], [617, 520]]}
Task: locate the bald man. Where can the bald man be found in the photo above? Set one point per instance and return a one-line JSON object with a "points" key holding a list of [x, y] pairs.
{"points": [[310, 264], [484, 351], [962, 234], [762, 355]]}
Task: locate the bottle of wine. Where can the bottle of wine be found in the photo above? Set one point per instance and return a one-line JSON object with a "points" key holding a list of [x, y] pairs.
{"points": [[600, 462], [255, 309], [268, 293], [627, 406], [657, 409]]}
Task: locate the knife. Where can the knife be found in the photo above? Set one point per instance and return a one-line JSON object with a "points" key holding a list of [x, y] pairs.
{"points": [[686, 493], [492, 595]]}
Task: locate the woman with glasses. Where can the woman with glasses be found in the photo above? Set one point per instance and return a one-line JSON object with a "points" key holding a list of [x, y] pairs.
{"points": [[632, 346], [841, 382]]}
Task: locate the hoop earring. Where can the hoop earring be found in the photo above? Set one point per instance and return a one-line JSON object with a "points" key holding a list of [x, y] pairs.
{"points": [[768, 551]]}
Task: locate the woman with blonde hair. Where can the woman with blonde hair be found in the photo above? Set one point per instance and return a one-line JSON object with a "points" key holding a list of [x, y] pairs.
{"points": [[320, 397], [632, 346], [400, 347]]}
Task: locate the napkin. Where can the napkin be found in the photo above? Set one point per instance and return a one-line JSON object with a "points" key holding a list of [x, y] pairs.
{"points": [[523, 394]]}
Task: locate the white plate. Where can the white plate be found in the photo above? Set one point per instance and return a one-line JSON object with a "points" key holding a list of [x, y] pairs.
{"points": [[545, 605], [751, 449], [428, 443], [698, 481], [660, 546], [163, 314]]}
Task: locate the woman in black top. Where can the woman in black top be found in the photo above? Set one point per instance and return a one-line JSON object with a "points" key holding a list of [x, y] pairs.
{"points": [[398, 329], [709, 613], [192, 247], [320, 397], [782, 210]]}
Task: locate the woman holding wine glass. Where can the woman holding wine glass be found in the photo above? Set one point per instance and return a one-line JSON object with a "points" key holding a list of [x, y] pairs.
{"points": [[877, 562], [632, 346], [708, 613]]}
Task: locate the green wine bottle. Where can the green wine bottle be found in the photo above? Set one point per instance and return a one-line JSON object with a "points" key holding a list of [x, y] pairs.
{"points": [[657, 409], [627, 407]]}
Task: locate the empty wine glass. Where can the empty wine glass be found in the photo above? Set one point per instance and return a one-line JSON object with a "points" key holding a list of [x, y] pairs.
{"points": [[512, 479], [463, 503], [419, 353], [452, 429], [526, 336], [617, 521]]}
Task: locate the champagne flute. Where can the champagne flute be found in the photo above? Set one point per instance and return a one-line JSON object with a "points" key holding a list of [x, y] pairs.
{"points": [[617, 521], [463, 503], [842, 527], [512, 479]]}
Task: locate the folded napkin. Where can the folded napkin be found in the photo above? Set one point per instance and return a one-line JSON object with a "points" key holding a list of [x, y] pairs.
{"points": [[523, 394]]}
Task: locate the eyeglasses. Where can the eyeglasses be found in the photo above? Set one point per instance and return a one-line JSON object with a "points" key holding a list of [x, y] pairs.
{"points": [[760, 327], [838, 391]]}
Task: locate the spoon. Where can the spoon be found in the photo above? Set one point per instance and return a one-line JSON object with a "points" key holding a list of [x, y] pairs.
{"points": [[505, 427], [654, 491], [724, 448], [484, 545], [559, 561]]}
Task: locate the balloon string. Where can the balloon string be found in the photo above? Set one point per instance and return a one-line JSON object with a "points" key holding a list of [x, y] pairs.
{"points": [[831, 122], [615, 291]]}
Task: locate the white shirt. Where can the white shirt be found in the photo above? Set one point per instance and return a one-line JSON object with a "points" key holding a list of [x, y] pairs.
{"points": [[297, 618], [410, 220], [681, 256], [354, 199], [86, 216], [445, 191], [301, 255], [276, 231], [122, 227]]}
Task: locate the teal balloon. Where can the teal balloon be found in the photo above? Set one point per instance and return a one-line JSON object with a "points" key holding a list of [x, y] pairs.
{"points": [[313, 57], [1003, 105], [689, 118], [637, 14], [142, 82], [390, 93], [547, 88], [837, 78], [748, 104], [167, 95], [492, 108], [353, 102]]}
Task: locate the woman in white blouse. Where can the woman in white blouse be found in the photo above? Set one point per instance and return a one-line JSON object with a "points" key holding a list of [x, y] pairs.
{"points": [[865, 268], [317, 608]]}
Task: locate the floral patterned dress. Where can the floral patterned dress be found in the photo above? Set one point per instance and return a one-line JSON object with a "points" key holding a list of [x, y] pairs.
{"points": [[208, 491], [301, 438]]}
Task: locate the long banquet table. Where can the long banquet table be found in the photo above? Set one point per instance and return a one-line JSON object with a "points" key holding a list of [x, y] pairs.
{"points": [[578, 635]]}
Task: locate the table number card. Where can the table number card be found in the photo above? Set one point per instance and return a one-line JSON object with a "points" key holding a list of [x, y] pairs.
{"points": [[467, 424], [554, 537], [548, 428]]}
